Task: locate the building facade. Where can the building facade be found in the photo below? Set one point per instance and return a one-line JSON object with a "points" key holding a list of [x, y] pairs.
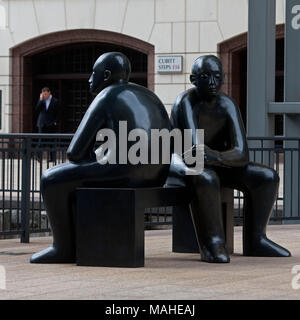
{"points": [[55, 42]]}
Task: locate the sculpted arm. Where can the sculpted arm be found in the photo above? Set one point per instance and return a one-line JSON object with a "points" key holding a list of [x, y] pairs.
{"points": [[84, 137], [238, 154], [184, 117]]}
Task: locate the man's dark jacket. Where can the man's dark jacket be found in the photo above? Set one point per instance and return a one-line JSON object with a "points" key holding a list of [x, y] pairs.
{"points": [[46, 118]]}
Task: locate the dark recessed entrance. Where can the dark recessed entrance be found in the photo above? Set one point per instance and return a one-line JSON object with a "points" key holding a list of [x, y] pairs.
{"points": [[66, 70], [63, 62], [233, 54]]}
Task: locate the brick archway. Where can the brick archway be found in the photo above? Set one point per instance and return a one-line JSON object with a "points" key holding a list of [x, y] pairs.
{"points": [[227, 51], [235, 69], [21, 68]]}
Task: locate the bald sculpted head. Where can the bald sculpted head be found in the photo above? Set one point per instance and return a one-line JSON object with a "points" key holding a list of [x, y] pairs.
{"points": [[109, 68], [207, 76]]}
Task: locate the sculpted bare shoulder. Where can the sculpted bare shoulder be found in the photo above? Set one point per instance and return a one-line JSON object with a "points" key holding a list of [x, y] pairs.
{"points": [[226, 102], [104, 99], [184, 98]]}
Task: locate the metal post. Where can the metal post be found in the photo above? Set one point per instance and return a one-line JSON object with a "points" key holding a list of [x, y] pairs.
{"points": [[261, 72], [292, 94], [26, 155]]}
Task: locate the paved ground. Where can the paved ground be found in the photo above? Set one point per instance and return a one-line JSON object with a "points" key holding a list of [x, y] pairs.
{"points": [[166, 275]]}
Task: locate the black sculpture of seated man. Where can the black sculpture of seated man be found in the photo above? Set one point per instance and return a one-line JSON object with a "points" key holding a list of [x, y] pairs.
{"points": [[226, 163], [117, 101]]}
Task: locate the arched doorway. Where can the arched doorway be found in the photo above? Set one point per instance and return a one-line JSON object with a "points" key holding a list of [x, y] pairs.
{"points": [[63, 61], [233, 54]]}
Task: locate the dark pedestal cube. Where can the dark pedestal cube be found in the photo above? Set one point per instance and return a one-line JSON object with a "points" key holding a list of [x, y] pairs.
{"points": [[110, 228], [110, 223]]}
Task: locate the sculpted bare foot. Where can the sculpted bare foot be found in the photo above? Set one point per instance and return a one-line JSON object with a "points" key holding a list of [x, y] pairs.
{"points": [[53, 255], [263, 247]]}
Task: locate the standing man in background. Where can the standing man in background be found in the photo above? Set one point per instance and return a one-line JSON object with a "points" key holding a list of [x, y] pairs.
{"points": [[48, 113]]}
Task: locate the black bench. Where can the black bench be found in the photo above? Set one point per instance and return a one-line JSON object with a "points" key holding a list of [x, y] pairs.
{"points": [[110, 223]]}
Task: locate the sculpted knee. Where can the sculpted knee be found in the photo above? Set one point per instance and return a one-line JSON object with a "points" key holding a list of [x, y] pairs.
{"points": [[271, 176], [207, 179], [44, 181], [47, 180]]}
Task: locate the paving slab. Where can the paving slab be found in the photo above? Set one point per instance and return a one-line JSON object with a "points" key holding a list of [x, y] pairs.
{"points": [[166, 275]]}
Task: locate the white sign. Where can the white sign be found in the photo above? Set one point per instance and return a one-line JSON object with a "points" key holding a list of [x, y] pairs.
{"points": [[169, 64]]}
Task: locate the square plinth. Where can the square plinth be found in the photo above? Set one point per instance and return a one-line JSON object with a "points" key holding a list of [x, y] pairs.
{"points": [[110, 228]]}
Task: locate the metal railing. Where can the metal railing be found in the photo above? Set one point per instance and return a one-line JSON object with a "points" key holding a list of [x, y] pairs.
{"points": [[281, 154], [24, 157]]}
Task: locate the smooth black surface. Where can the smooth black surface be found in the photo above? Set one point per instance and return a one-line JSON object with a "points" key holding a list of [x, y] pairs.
{"points": [[110, 228], [110, 223], [117, 101], [226, 165], [184, 239]]}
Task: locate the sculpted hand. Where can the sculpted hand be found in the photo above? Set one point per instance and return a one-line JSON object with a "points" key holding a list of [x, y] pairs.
{"points": [[189, 155], [212, 157]]}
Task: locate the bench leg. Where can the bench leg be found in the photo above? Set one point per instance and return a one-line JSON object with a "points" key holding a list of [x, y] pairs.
{"points": [[110, 229], [183, 236], [228, 217]]}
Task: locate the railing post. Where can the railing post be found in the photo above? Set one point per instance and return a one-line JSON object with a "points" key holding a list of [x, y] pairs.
{"points": [[25, 204]]}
